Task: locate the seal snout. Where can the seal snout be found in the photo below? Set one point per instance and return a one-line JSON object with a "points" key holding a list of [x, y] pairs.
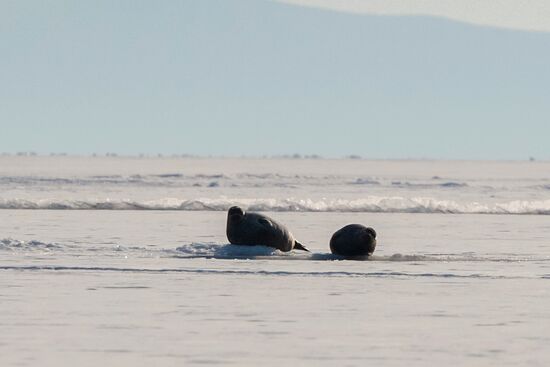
{"points": [[371, 232], [235, 211]]}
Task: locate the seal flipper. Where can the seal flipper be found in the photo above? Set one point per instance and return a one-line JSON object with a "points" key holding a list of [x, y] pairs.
{"points": [[299, 246]]}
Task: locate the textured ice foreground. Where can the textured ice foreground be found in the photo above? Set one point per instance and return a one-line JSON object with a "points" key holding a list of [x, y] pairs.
{"points": [[163, 287]]}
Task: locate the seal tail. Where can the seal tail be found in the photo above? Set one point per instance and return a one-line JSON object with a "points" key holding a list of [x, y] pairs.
{"points": [[299, 246]]}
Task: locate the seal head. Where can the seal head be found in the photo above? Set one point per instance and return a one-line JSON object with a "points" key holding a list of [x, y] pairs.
{"points": [[353, 240], [235, 214]]}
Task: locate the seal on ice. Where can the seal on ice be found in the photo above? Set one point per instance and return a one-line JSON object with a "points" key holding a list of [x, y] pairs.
{"points": [[353, 240], [251, 229]]}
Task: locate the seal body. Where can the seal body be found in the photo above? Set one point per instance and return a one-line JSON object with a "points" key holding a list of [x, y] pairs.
{"points": [[353, 240], [251, 229]]}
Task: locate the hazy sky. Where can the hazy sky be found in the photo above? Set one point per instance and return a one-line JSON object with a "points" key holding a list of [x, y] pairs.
{"points": [[533, 15], [251, 77]]}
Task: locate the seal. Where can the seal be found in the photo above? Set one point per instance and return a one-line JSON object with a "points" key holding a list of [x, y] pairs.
{"points": [[353, 240], [251, 229]]}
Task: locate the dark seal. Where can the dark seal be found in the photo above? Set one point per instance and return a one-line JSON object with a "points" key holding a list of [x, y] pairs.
{"points": [[251, 229], [353, 240]]}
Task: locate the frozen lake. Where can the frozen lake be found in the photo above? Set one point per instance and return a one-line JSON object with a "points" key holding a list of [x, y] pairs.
{"points": [[150, 279]]}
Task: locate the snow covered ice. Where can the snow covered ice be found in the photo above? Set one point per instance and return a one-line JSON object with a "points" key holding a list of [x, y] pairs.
{"points": [[124, 261]]}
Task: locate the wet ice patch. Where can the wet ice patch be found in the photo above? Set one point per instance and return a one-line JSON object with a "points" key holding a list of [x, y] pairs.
{"points": [[225, 251]]}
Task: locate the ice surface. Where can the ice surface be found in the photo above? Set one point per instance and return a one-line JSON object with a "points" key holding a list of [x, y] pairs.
{"points": [[370, 204], [79, 183], [163, 287]]}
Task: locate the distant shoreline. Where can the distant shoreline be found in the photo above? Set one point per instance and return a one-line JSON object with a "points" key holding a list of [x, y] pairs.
{"points": [[295, 156]]}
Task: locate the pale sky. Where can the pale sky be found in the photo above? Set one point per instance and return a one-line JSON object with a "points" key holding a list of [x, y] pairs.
{"points": [[251, 77], [532, 15]]}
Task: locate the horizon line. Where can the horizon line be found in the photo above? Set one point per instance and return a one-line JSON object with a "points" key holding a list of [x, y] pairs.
{"points": [[294, 156]]}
